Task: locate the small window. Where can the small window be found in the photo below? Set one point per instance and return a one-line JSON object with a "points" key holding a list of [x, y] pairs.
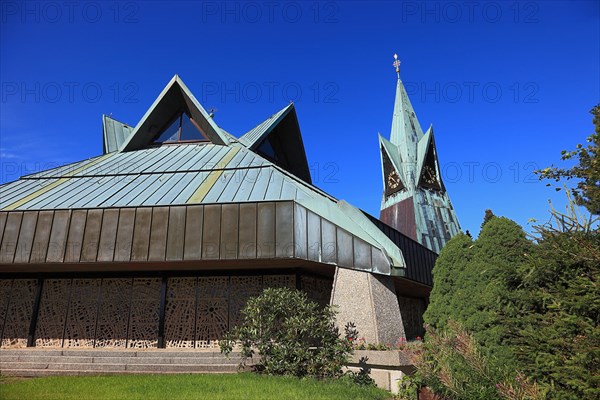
{"points": [[171, 134], [266, 148], [189, 130], [181, 129]]}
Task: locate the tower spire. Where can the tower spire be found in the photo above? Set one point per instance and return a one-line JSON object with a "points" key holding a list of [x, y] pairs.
{"points": [[414, 199], [396, 65]]}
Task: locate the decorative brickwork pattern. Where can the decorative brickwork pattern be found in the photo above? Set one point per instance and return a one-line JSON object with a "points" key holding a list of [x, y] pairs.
{"points": [[279, 281], [5, 288], [180, 313], [113, 313], [143, 321], [241, 289], [52, 315], [124, 312], [18, 313], [212, 310], [318, 289], [412, 310], [83, 312]]}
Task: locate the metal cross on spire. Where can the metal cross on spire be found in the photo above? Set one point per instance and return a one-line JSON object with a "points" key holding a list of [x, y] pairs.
{"points": [[396, 64]]}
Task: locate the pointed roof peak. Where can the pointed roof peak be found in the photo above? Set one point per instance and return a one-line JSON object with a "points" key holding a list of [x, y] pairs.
{"points": [[405, 125], [258, 133], [278, 139], [174, 97]]}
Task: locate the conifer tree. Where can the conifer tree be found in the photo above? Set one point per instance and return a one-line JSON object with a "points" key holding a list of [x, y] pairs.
{"points": [[470, 283], [586, 172], [487, 217], [555, 332], [449, 266]]}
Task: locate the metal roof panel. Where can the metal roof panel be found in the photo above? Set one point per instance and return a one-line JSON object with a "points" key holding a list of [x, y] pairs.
{"points": [[13, 191], [260, 187], [115, 133], [139, 185]]}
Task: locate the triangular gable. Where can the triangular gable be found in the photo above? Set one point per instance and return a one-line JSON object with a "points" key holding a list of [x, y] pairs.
{"points": [[114, 134], [279, 140], [422, 148], [391, 151], [260, 131], [427, 157], [174, 98]]}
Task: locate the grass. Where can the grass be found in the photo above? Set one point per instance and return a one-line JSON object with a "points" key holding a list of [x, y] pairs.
{"points": [[192, 386]]}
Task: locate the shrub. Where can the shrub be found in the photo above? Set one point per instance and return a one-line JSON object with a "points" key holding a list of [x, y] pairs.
{"points": [[452, 364], [471, 279], [292, 335], [556, 332]]}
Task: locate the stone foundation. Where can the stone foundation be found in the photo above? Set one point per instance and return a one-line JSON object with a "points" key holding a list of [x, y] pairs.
{"points": [[370, 302], [386, 368]]}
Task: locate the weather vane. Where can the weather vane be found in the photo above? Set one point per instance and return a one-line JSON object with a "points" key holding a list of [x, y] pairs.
{"points": [[397, 65]]}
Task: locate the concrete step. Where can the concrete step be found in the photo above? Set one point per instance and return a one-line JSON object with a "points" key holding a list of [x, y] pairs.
{"points": [[115, 352], [30, 351], [44, 362], [115, 368], [120, 360], [43, 358], [50, 372]]}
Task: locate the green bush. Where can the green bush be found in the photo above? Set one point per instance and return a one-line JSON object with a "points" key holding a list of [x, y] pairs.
{"points": [[534, 306], [292, 335], [556, 332], [451, 363], [531, 305], [471, 279]]}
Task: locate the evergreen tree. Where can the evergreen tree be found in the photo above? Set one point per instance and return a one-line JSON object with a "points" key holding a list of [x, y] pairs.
{"points": [[557, 336], [470, 282], [451, 262], [586, 171], [532, 307], [487, 217], [499, 250], [556, 333]]}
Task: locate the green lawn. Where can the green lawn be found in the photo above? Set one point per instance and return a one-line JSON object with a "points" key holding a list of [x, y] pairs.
{"points": [[172, 387]]}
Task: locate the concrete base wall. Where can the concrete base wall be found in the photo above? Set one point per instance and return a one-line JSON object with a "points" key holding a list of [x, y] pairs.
{"points": [[370, 302], [387, 368]]}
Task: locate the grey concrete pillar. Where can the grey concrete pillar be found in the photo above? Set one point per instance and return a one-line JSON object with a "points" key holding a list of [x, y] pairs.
{"points": [[370, 302]]}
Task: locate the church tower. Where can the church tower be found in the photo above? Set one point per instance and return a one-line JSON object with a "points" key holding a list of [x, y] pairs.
{"points": [[414, 201]]}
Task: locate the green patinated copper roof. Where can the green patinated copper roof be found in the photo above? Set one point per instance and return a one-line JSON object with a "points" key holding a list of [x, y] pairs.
{"points": [[223, 170], [115, 133]]}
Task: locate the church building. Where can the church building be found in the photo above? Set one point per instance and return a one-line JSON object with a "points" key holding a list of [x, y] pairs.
{"points": [[159, 241]]}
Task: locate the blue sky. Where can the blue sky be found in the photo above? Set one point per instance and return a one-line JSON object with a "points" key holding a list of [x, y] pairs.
{"points": [[507, 85]]}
